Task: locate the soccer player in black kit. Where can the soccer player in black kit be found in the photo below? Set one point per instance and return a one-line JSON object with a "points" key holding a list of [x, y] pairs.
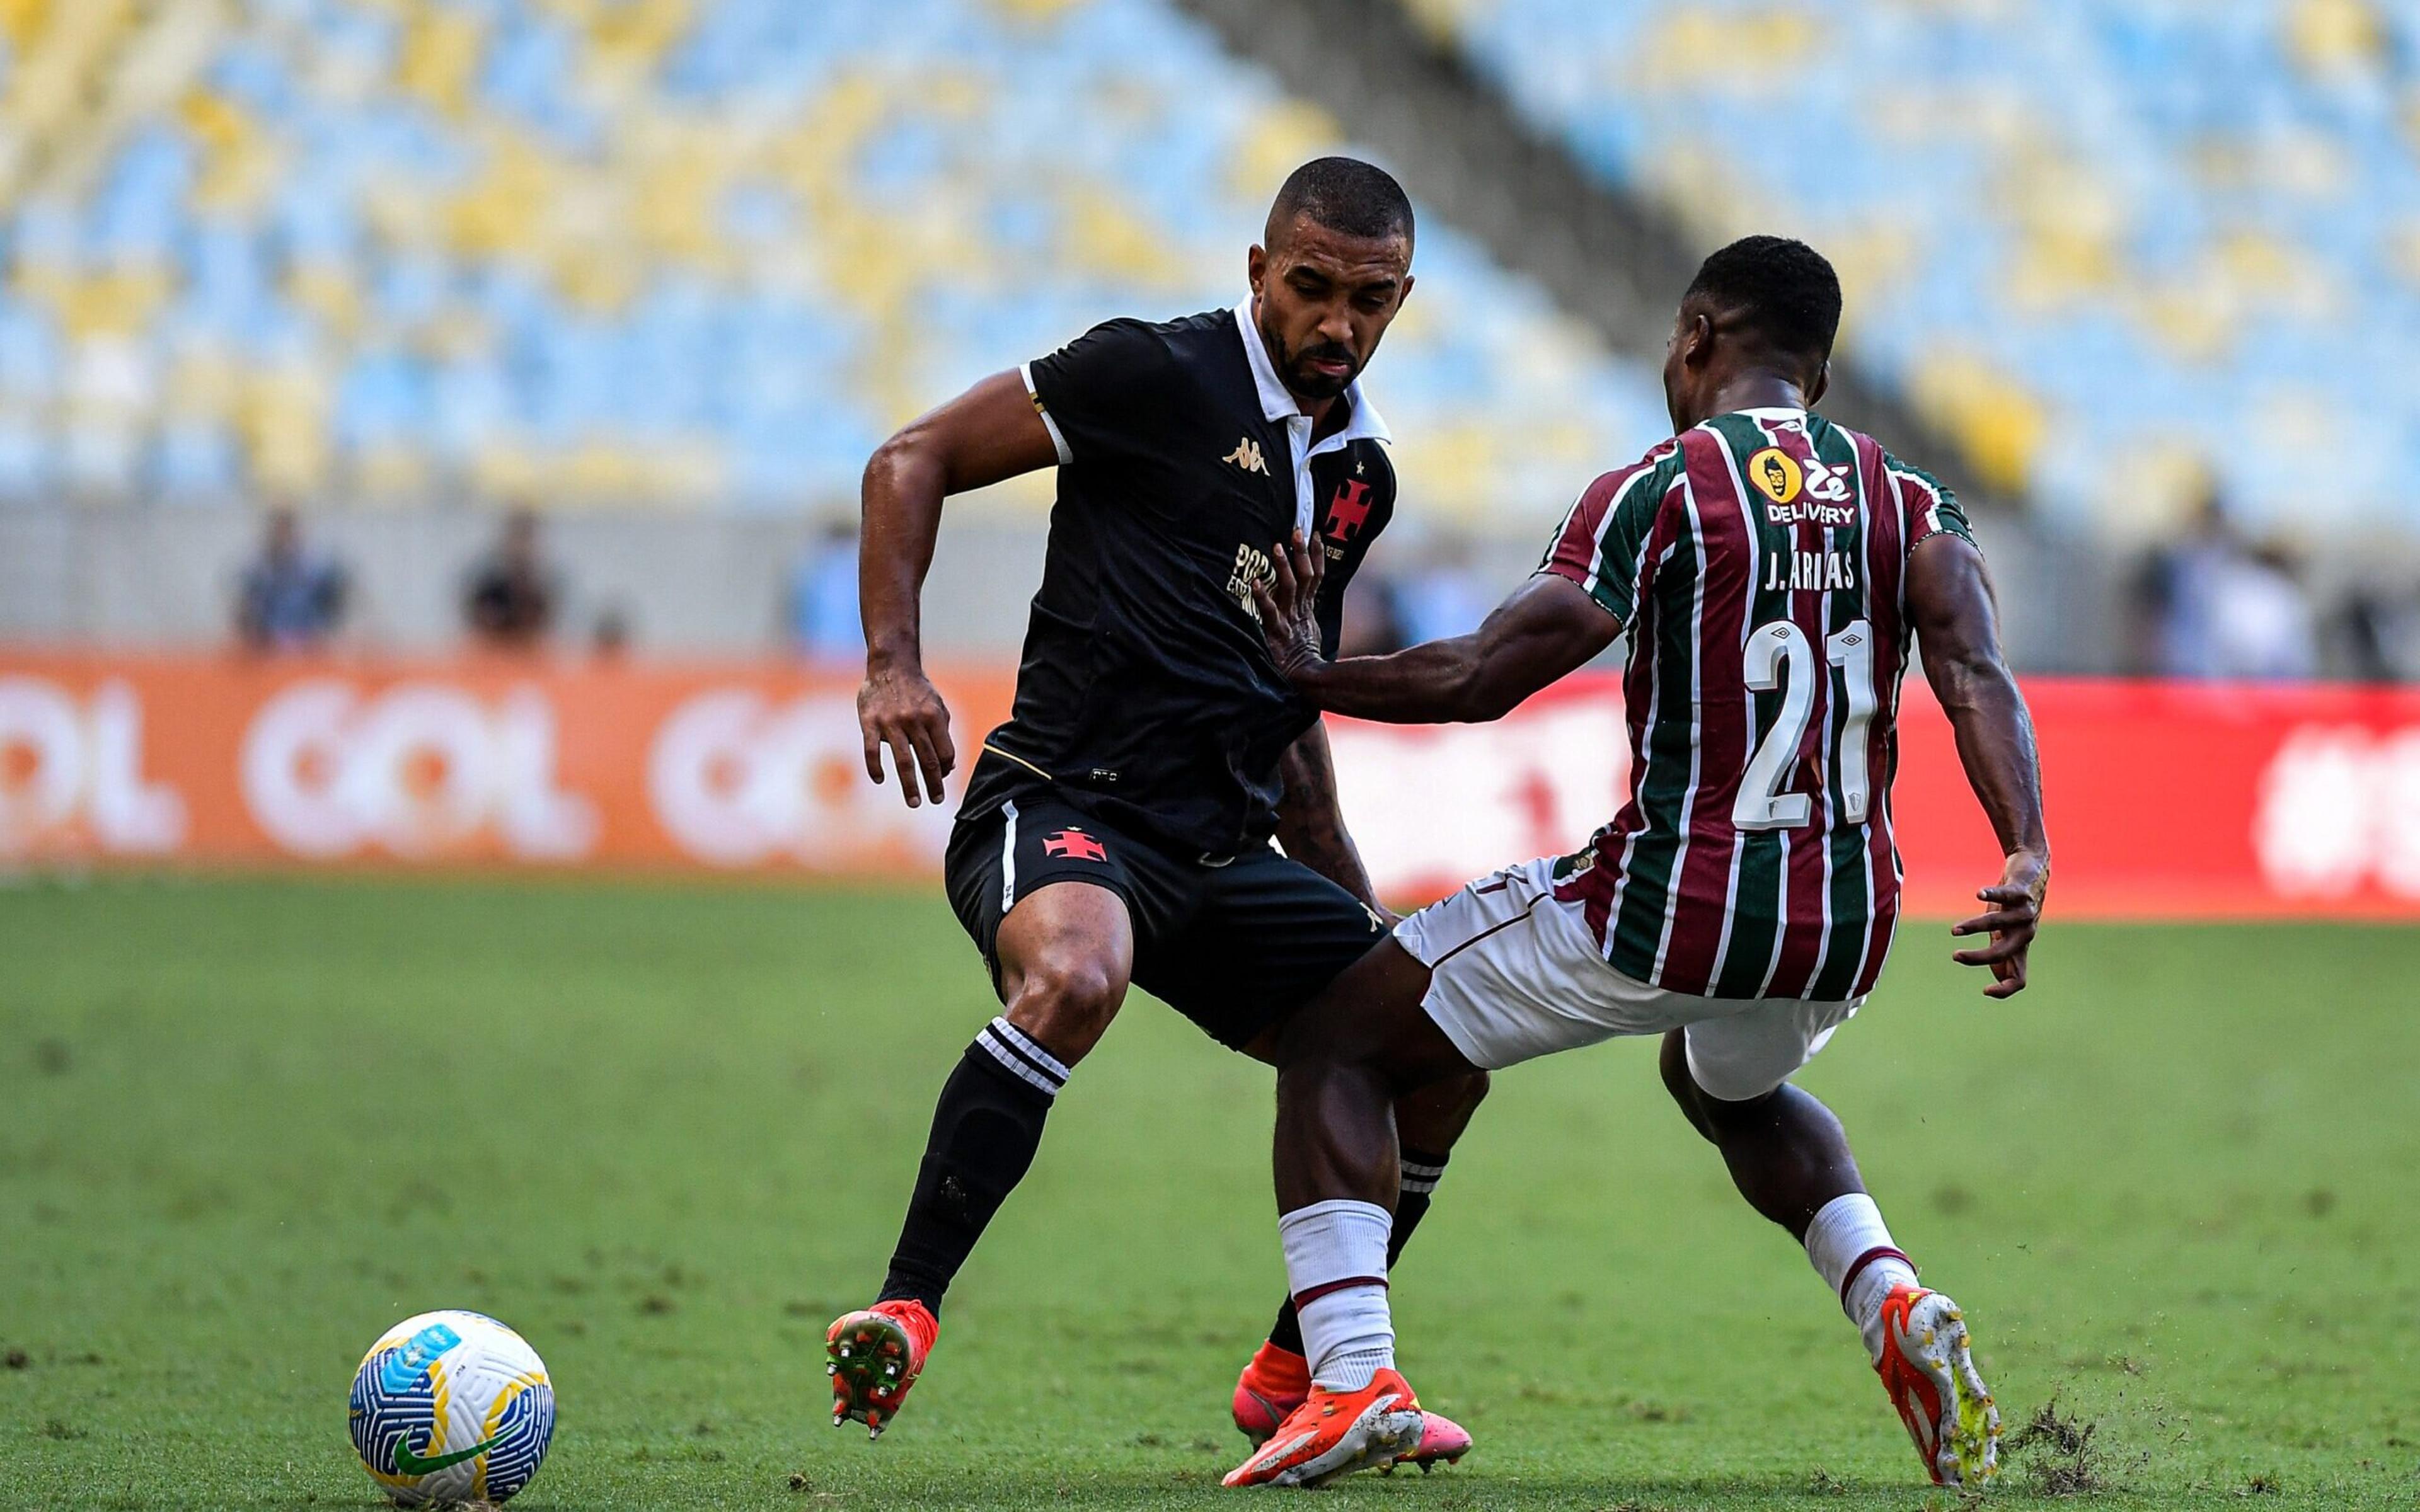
{"points": [[1117, 829]]}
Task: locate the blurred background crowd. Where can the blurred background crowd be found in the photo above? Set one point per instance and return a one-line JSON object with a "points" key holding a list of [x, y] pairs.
{"points": [[569, 323]]}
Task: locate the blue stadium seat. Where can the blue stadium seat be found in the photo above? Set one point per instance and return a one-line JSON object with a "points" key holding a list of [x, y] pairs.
{"points": [[2145, 219], [458, 241]]}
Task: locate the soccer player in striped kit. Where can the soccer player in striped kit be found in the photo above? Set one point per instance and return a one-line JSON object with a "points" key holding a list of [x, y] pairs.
{"points": [[1774, 571]]}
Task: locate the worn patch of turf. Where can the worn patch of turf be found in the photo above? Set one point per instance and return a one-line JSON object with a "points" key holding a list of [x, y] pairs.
{"points": [[666, 1133]]}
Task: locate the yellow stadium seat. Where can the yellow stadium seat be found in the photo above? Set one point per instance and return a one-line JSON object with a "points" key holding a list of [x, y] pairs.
{"points": [[118, 302], [1287, 133], [500, 212], [1994, 421], [239, 159], [21, 20], [441, 55], [329, 291], [635, 34], [1101, 234], [2329, 36], [284, 426], [1037, 10], [1451, 465]]}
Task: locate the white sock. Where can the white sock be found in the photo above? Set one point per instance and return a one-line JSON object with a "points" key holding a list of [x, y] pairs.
{"points": [[1848, 1229], [1336, 1255]]}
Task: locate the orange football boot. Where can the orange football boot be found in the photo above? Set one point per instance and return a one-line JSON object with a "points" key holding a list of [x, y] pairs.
{"points": [[1929, 1373], [1335, 1432], [876, 1354], [1276, 1381]]}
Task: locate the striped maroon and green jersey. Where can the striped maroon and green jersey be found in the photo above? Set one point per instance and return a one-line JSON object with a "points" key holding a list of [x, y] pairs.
{"points": [[1759, 562]]}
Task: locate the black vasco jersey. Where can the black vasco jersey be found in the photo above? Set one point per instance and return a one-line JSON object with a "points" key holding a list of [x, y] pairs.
{"points": [[1145, 692]]}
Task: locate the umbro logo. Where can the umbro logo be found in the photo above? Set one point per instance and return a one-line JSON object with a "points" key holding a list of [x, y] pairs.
{"points": [[1247, 456]]}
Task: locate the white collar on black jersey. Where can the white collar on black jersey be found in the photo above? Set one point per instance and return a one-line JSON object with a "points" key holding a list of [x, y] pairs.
{"points": [[1278, 403]]}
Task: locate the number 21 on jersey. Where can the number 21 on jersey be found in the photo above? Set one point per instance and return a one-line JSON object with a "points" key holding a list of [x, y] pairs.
{"points": [[1779, 656]]}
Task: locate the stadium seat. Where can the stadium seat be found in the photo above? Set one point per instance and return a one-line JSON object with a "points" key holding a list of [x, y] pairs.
{"points": [[2073, 234], [669, 251]]}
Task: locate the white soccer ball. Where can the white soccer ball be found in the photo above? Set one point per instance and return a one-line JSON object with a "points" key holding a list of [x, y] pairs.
{"points": [[451, 1407]]}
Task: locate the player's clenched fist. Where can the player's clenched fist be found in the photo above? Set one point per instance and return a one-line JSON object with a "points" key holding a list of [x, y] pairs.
{"points": [[899, 707]]}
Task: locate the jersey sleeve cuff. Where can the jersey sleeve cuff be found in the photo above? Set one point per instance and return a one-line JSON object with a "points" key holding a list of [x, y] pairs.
{"points": [[1608, 599], [1025, 371]]}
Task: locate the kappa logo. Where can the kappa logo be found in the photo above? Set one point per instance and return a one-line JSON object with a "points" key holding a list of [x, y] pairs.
{"points": [[1247, 456], [1075, 844]]}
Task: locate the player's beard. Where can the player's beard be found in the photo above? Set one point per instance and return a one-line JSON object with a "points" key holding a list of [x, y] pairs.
{"points": [[1305, 381]]}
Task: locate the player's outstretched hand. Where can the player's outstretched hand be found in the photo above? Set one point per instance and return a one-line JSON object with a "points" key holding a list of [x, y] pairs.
{"points": [[1289, 603], [2016, 903], [899, 707]]}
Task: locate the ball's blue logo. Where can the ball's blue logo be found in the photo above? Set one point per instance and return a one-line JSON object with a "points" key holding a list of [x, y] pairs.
{"points": [[400, 1369]]}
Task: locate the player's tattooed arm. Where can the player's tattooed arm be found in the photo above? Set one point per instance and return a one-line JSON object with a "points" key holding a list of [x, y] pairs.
{"points": [[1549, 628], [1310, 823], [990, 432], [1950, 607]]}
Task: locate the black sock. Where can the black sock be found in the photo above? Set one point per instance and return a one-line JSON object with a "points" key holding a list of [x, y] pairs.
{"points": [[985, 1130], [1421, 1170]]}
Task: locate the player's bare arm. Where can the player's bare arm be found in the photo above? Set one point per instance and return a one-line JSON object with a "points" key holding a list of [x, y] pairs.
{"points": [[985, 436], [1310, 823], [1950, 607], [1547, 628]]}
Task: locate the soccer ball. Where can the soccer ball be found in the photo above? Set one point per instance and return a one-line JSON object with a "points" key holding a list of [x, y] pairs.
{"points": [[451, 1407]]}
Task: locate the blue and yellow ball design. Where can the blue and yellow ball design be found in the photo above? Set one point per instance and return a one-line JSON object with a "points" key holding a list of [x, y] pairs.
{"points": [[451, 1407]]}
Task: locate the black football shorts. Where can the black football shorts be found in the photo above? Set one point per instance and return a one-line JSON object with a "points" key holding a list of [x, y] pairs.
{"points": [[1235, 945]]}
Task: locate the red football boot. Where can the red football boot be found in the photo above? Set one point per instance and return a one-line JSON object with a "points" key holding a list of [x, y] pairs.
{"points": [[876, 1355]]}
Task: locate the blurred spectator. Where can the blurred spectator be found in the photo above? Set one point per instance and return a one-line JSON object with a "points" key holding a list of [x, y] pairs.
{"points": [[2215, 605], [2264, 624], [609, 640], [511, 601], [291, 597], [2381, 635], [820, 608], [1373, 617]]}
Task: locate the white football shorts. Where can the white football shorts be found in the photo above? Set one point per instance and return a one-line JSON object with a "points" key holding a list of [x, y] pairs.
{"points": [[1515, 975]]}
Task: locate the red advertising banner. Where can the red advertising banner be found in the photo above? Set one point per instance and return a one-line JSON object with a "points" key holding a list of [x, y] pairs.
{"points": [[2165, 801]]}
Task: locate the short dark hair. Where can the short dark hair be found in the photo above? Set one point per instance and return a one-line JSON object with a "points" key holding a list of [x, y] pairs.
{"points": [[1344, 194], [1784, 290]]}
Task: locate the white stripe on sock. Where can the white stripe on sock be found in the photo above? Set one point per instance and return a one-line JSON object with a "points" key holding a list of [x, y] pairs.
{"points": [[1014, 1064], [1031, 1046]]}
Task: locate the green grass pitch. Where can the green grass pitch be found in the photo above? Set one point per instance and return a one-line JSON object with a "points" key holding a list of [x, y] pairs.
{"points": [[666, 1131]]}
